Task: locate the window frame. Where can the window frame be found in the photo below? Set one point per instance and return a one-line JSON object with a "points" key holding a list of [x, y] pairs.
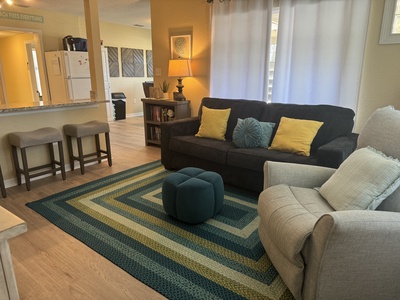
{"points": [[387, 36]]}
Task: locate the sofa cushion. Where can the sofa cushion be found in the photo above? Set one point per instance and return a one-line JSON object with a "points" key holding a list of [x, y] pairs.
{"points": [[203, 148], [338, 121], [295, 135], [290, 214], [247, 133], [240, 108], [213, 123], [362, 181], [254, 159]]}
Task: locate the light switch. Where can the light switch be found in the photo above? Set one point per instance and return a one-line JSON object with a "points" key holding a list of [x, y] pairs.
{"points": [[158, 71]]}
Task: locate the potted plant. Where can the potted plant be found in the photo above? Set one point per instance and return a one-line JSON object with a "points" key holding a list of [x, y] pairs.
{"points": [[164, 88]]}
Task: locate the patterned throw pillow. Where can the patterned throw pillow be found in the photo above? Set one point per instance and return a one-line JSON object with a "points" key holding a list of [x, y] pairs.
{"points": [[247, 133]]}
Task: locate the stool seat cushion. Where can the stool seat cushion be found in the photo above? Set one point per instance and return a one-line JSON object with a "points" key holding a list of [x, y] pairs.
{"points": [[86, 129], [193, 195], [36, 137]]}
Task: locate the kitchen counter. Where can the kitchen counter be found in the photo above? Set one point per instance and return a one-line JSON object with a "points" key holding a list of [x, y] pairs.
{"points": [[7, 109]]}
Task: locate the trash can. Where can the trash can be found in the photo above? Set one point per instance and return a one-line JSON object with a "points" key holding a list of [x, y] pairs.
{"points": [[119, 102]]}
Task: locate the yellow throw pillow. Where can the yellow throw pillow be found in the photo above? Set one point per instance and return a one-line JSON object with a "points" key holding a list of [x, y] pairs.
{"points": [[213, 123], [295, 135]]}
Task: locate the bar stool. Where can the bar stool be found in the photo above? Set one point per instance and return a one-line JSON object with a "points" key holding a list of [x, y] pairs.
{"points": [[92, 128], [42, 136], [2, 187]]}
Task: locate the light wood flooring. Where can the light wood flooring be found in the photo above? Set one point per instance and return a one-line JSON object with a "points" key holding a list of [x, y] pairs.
{"points": [[49, 263]]}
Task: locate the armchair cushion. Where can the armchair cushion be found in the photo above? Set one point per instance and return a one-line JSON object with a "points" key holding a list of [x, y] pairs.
{"points": [[363, 181]]}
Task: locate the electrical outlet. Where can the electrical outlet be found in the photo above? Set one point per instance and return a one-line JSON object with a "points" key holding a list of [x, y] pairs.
{"points": [[134, 101]]}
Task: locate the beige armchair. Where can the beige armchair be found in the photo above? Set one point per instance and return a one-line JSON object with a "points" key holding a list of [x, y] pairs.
{"points": [[322, 253]]}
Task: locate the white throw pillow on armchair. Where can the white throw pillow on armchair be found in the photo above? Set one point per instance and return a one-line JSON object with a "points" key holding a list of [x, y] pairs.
{"points": [[365, 179]]}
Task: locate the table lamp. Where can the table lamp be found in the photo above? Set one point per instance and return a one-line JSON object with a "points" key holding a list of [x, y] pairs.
{"points": [[179, 68]]}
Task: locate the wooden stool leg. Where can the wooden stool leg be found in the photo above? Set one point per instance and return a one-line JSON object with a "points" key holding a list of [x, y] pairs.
{"points": [[108, 145], [25, 169], [80, 155], [16, 164], [52, 159], [2, 186], [98, 149], [70, 153], [62, 162]]}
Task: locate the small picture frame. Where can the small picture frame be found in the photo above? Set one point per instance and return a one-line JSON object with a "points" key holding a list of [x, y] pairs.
{"points": [[181, 46]]}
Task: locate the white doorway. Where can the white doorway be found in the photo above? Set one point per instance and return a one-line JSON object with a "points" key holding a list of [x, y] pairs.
{"points": [[33, 68]]}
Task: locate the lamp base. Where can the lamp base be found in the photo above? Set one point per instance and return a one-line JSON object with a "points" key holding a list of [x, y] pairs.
{"points": [[178, 96]]}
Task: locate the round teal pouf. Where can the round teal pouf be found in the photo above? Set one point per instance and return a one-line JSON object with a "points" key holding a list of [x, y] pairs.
{"points": [[193, 195]]}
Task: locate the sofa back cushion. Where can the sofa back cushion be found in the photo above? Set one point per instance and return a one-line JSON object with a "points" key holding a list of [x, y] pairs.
{"points": [[338, 121], [240, 108]]}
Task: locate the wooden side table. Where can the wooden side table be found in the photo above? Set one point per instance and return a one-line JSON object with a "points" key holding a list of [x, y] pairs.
{"points": [[157, 111], [10, 226]]}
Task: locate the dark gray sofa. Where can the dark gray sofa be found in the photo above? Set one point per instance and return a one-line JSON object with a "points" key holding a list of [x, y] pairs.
{"points": [[244, 167]]}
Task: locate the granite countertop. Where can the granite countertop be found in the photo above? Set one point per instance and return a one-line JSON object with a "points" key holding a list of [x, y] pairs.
{"points": [[12, 108]]}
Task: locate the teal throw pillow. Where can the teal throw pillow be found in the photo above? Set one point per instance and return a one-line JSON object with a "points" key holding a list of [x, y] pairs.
{"points": [[266, 133], [247, 133]]}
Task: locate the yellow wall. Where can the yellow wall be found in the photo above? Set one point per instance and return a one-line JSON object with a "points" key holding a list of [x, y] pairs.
{"points": [[380, 83], [175, 17], [127, 37], [16, 74]]}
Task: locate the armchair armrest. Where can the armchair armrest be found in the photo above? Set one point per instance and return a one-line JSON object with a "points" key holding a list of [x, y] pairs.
{"points": [[354, 255], [335, 152], [187, 126], [299, 175]]}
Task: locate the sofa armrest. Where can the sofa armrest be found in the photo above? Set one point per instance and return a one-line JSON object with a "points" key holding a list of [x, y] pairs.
{"points": [[299, 175], [354, 255], [187, 126], [335, 152]]}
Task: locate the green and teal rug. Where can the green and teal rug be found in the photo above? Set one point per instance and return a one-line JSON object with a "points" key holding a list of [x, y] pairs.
{"points": [[122, 218]]}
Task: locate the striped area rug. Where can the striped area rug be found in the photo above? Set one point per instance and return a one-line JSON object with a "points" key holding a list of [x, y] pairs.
{"points": [[122, 218]]}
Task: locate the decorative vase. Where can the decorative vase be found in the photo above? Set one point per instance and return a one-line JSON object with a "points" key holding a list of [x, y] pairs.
{"points": [[165, 95]]}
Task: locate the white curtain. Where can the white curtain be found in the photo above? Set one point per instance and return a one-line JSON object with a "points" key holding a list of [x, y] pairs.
{"points": [[320, 51], [240, 38]]}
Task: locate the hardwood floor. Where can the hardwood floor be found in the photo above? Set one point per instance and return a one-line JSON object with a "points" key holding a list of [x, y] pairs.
{"points": [[50, 264]]}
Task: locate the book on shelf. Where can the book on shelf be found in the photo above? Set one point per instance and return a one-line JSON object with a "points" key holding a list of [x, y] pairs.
{"points": [[161, 114], [155, 133]]}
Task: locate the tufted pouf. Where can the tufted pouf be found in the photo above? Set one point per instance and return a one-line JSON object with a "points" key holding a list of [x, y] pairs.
{"points": [[193, 195]]}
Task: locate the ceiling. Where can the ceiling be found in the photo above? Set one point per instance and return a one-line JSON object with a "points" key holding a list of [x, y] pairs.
{"points": [[125, 12]]}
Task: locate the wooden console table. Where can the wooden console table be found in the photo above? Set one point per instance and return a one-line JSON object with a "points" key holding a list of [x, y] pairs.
{"points": [[10, 226]]}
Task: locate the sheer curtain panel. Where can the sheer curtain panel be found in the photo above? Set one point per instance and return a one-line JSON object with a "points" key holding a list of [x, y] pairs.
{"points": [[240, 39], [320, 51]]}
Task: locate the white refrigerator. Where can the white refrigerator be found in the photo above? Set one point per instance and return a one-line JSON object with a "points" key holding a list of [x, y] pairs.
{"points": [[69, 76]]}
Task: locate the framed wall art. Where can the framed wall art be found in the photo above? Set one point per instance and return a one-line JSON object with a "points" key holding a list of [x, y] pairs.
{"points": [[181, 46], [132, 62]]}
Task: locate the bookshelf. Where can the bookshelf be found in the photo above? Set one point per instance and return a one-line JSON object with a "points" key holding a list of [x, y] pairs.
{"points": [[157, 111]]}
